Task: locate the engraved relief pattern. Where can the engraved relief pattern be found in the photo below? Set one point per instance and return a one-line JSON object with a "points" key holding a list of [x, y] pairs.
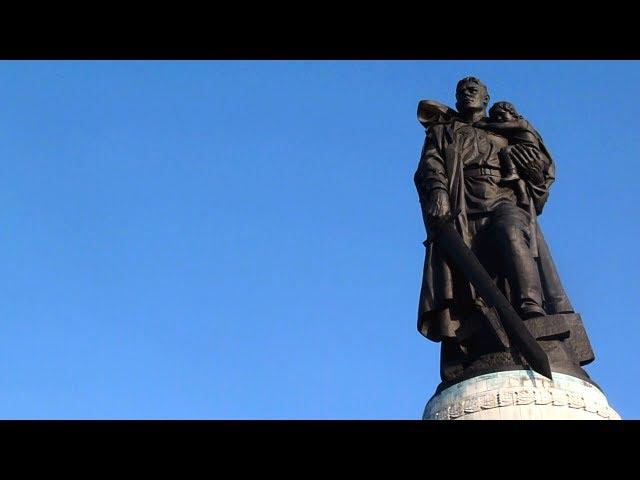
{"points": [[513, 392]]}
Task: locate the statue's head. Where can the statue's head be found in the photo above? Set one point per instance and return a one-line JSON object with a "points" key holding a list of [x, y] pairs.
{"points": [[503, 112], [471, 94]]}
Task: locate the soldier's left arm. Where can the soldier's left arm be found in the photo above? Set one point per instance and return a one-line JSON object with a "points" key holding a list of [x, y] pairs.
{"points": [[531, 162]]}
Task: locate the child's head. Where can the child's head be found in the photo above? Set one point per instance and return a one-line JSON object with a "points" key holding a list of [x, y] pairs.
{"points": [[503, 112]]}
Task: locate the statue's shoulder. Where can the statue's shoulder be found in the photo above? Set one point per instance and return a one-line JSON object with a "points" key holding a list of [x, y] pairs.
{"points": [[433, 114]]}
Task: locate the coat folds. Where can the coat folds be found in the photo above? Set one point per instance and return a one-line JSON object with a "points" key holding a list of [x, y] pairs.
{"points": [[440, 315]]}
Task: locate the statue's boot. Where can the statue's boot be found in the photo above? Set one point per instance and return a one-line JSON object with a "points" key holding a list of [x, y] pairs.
{"points": [[530, 309]]}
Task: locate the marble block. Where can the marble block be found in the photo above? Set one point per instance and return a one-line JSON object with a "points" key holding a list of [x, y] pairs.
{"points": [[520, 395]]}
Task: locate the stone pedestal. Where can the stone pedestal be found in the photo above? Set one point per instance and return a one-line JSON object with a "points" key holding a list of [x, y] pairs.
{"points": [[520, 395]]}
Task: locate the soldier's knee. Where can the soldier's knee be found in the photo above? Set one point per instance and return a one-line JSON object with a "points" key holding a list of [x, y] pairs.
{"points": [[509, 233]]}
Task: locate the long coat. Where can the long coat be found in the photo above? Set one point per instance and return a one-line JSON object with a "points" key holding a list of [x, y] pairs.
{"points": [[440, 166]]}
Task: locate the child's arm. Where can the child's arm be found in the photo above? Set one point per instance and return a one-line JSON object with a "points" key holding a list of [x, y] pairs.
{"points": [[511, 126], [518, 129]]}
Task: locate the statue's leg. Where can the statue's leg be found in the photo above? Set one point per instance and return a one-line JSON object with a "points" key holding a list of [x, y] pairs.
{"points": [[482, 340], [510, 231], [477, 228]]}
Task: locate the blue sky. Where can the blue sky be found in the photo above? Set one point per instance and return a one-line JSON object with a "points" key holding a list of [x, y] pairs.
{"points": [[242, 239]]}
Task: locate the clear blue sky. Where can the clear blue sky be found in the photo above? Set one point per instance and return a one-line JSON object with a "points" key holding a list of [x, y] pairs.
{"points": [[235, 240]]}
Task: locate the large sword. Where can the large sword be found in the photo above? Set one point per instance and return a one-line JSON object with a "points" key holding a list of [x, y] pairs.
{"points": [[447, 238]]}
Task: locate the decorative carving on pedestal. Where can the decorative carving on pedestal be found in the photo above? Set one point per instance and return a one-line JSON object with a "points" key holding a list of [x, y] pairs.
{"points": [[520, 388]]}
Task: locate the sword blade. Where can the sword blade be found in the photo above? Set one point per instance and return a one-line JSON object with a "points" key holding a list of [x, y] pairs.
{"points": [[448, 239]]}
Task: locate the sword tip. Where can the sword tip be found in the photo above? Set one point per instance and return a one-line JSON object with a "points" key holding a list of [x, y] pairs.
{"points": [[544, 370]]}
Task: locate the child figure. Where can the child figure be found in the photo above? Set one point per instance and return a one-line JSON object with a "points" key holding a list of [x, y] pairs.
{"points": [[505, 120]]}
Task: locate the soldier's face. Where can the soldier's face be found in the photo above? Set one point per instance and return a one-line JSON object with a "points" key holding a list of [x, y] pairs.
{"points": [[471, 96]]}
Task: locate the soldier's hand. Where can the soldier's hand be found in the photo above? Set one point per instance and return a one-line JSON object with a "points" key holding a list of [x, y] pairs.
{"points": [[527, 159], [439, 207]]}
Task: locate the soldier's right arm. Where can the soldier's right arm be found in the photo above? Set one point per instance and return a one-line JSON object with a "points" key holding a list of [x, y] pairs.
{"points": [[430, 174], [431, 178]]}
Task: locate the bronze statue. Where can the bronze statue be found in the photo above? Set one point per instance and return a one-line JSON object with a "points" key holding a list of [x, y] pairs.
{"points": [[489, 177]]}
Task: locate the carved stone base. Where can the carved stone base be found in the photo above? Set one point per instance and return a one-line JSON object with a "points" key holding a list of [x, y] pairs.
{"points": [[520, 395]]}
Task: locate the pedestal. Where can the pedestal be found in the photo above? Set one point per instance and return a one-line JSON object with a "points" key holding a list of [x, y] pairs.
{"points": [[520, 395]]}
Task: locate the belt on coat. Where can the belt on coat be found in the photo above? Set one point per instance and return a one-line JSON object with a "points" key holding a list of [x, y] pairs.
{"points": [[478, 171]]}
